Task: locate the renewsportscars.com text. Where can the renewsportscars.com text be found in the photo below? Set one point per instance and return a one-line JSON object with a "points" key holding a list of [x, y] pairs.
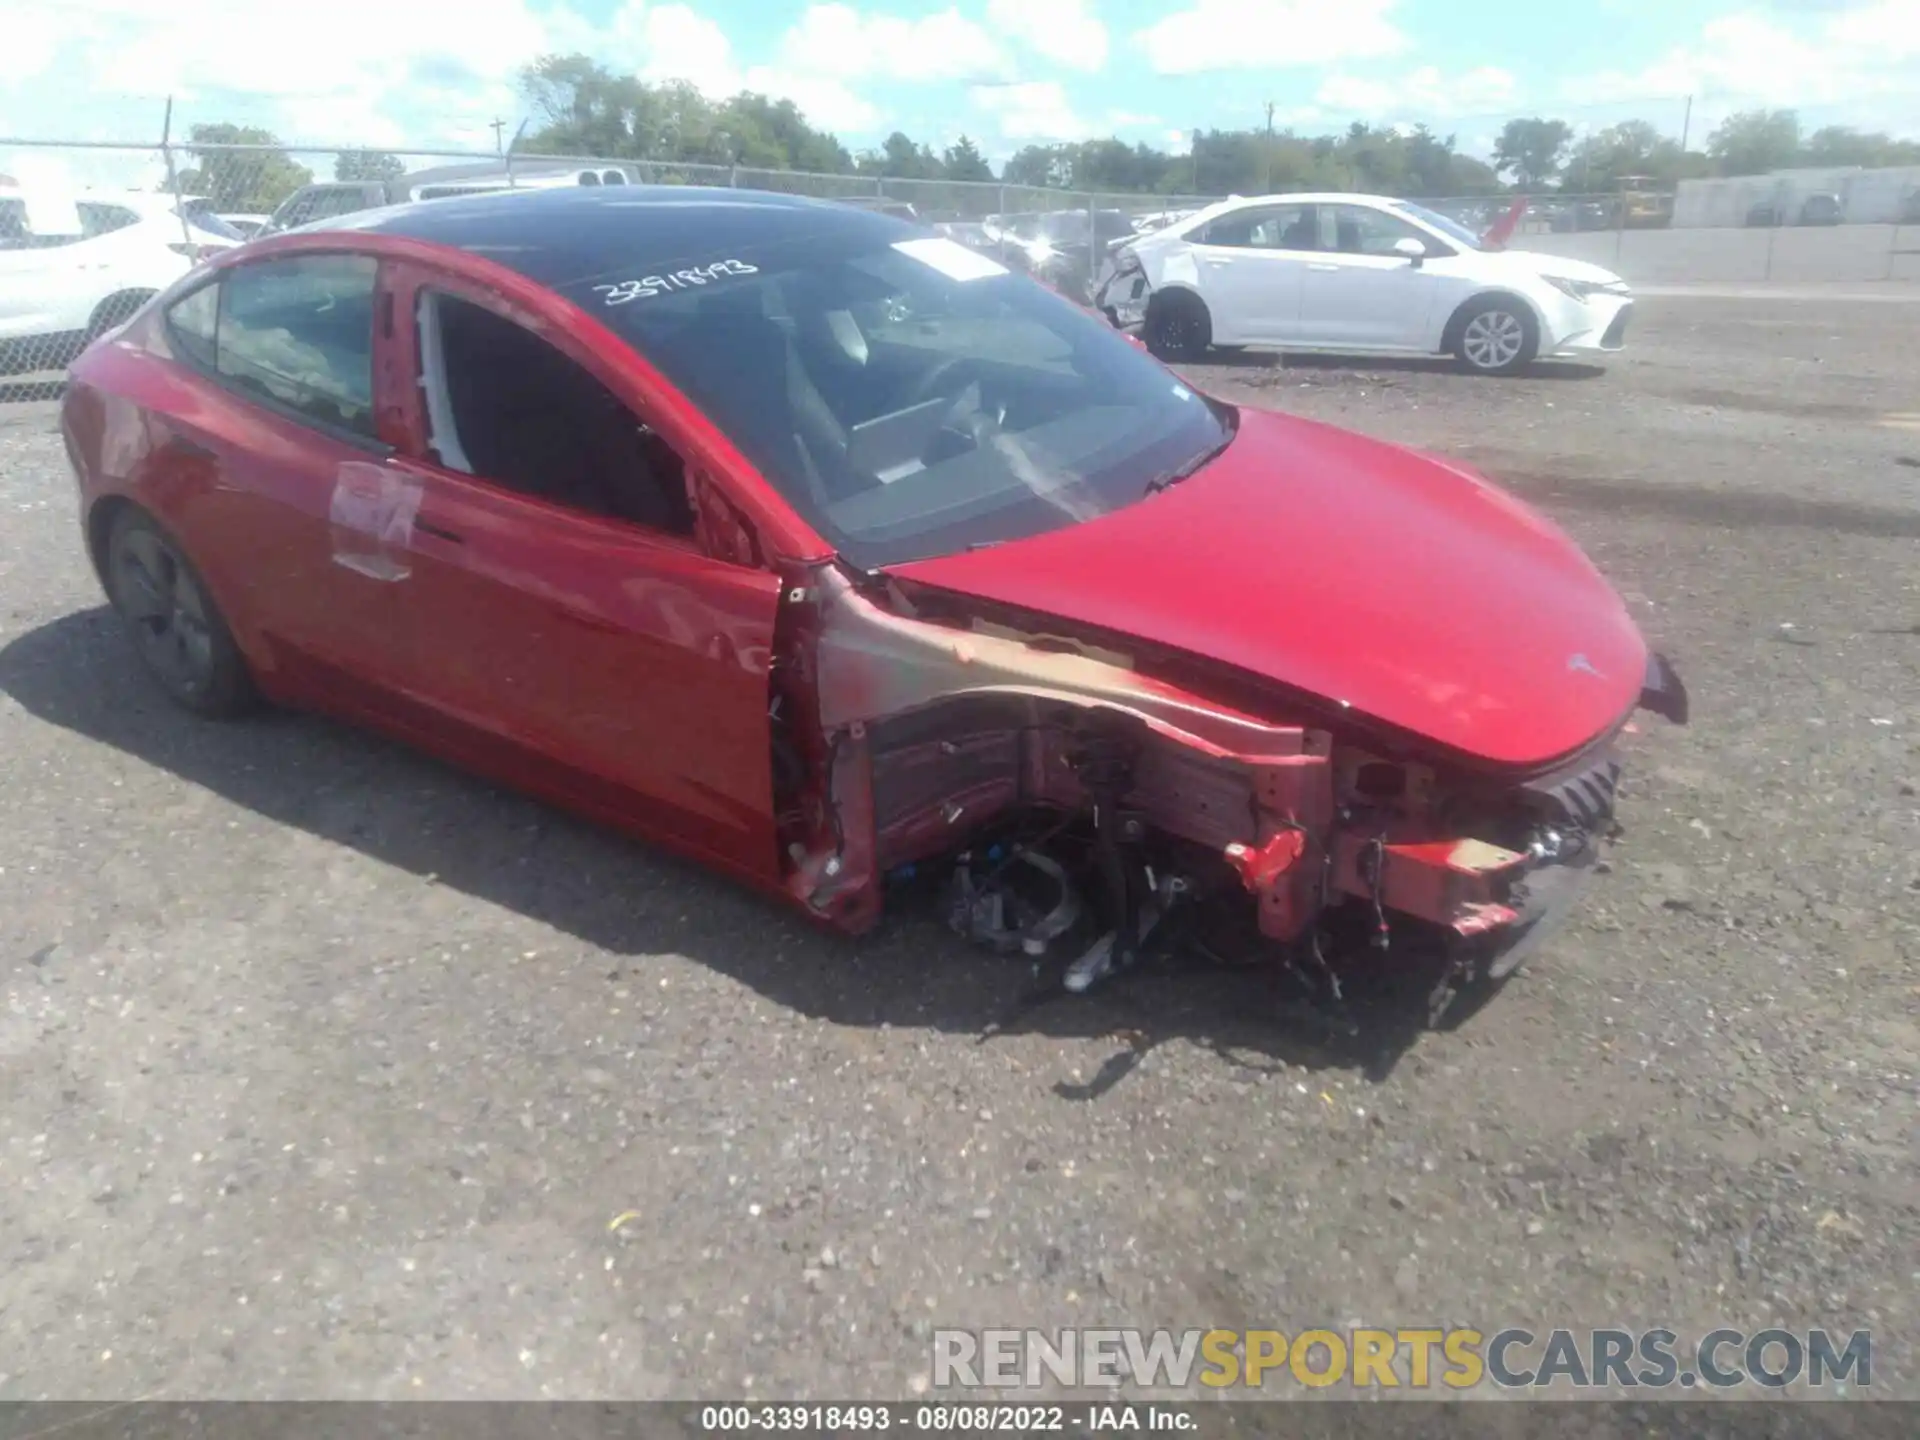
{"points": [[1513, 1358]]}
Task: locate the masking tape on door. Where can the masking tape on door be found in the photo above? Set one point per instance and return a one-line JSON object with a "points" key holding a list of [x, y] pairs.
{"points": [[371, 517]]}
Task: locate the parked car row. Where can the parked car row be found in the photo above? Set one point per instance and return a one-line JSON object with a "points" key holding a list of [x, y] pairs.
{"points": [[75, 264], [1334, 272]]}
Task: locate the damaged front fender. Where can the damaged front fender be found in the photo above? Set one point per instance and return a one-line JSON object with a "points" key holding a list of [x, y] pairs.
{"points": [[930, 733]]}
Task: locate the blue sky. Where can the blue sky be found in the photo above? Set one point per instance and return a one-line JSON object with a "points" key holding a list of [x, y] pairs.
{"points": [[429, 73]]}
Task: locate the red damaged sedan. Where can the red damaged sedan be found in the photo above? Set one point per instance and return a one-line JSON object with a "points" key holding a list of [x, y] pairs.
{"points": [[825, 550]]}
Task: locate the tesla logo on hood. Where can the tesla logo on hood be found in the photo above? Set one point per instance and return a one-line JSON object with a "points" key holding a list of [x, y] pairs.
{"points": [[1583, 665]]}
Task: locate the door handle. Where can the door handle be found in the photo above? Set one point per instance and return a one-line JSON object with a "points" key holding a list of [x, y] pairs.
{"points": [[428, 528], [189, 449]]}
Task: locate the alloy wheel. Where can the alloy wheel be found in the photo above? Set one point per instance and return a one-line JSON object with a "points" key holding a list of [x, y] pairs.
{"points": [[1493, 339], [168, 615]]}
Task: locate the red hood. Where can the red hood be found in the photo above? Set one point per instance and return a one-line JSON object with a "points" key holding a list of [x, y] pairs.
{"points": [[1354, 570]]}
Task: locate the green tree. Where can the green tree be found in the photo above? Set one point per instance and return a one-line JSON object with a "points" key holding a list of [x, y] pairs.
{"points": [[1753, 142], [1844, 145], [251, 181], [1039, 165], [963, 161], [1531, 150], [1632, 149], [900, 158], [774, 134], [582, 108], [368, 165]]}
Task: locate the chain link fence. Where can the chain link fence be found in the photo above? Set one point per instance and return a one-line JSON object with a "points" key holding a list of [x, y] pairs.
{"points": [[89, 230]]}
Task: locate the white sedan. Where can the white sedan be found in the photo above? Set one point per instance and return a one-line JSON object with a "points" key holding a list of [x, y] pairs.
{"points": [[1358, 274], [74, 264]]}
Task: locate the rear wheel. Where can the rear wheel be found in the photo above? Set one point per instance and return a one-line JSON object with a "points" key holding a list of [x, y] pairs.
{"points": [[181, 637], [1178, 326], [1495, 336]]}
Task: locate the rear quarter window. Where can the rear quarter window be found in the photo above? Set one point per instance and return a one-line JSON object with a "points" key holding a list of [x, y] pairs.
{"points": [[17, 231], [299, 332], [99, 219], [192, 322]]}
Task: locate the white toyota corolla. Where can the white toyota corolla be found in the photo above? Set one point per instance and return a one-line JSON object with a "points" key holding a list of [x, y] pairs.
{"points": [[1360, 274]]}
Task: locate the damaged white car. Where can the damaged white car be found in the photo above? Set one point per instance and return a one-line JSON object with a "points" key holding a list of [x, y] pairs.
{"points": [[1358, 274]]}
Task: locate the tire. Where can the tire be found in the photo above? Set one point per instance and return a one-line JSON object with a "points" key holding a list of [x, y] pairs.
{"points": [[1178, 326], [1495, 336], [179, 633], [116, 309]]}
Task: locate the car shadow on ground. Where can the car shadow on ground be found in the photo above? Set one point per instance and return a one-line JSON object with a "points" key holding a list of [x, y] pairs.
{"points": [[410, 812], [1432, 364]]}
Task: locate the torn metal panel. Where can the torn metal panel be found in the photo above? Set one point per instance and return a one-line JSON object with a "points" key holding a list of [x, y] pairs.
{"points": [[873, 663]]}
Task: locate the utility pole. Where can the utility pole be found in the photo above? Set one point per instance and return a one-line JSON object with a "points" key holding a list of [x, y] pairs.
{"points": [[1686, 125], [1266, 155], [499, 126]]}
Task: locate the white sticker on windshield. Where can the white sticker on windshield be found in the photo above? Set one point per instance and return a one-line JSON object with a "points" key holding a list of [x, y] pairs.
{"points": [[950, 258]]}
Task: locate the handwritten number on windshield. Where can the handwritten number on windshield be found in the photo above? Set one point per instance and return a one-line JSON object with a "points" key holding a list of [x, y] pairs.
{"points": [[623, 291]]}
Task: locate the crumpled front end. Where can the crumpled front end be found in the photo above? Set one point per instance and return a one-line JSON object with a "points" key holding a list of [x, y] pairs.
{"points": [[1084, 806]]}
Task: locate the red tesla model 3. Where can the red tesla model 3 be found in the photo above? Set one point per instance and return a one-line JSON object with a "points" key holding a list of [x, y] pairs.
{"points": [[820, 547]]}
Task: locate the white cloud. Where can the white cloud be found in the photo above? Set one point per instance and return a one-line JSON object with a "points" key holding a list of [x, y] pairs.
{"points": [[1035, 110], [1064, 31], [679, 43], [826, 102], [1862, 62], [1132, 120], [1424, 92], [840, 40], [1269, 34], [440, 73]]}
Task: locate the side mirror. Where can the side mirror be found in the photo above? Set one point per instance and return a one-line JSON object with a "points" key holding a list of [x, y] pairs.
{"points": [[1411, 250]]}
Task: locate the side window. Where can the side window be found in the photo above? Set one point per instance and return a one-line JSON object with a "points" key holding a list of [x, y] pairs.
{"points": [[1359, 230], [505, 406], [192, 322], [51, 224], [1268, 227], [97, 219], [300, 333]]}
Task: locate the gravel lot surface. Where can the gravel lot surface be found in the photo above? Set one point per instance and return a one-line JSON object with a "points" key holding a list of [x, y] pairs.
{"points": [[327, 1072]]}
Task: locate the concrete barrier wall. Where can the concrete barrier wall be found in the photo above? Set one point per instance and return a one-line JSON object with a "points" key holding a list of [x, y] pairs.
{"points": [[1787, 253]]}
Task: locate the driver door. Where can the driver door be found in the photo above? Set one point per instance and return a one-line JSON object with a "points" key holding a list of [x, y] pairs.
{"points": [[1249, 266], [563, 616]]}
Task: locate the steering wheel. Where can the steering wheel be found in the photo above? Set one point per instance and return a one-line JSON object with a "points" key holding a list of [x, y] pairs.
{"points": [[980, 420], [934, 381]]}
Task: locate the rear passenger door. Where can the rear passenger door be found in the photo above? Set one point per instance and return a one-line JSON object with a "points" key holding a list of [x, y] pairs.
{"points": [[1250, 265], [281, 424]]}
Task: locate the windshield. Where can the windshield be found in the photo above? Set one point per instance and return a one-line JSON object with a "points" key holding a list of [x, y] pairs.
{"points": [[910, 399], [1452, 229]]}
